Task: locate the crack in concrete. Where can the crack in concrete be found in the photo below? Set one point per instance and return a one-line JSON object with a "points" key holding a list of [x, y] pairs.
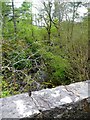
{"points": [[71, 92], [45, 102], [38, 105]]}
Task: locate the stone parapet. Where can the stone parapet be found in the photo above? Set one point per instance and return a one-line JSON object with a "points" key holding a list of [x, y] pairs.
{"points": [[63, 102]]}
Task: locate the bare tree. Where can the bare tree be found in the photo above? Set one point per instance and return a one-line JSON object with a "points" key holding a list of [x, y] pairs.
{"points": [[59, 8], [74, 6], [47, 17]]}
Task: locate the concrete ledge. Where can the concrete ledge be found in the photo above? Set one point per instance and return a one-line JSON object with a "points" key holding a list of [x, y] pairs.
{"points": [[63, 102]]}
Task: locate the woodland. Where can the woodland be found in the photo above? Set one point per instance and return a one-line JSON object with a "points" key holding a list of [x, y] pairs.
{"points": [[42, 50]]}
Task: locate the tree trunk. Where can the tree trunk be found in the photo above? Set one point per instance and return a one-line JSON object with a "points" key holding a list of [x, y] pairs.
{"points": [[14, 21], [72, 22], [49, 33]]}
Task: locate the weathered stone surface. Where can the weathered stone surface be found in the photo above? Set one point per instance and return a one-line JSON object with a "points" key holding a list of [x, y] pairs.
{"points": [[63, 102]]}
